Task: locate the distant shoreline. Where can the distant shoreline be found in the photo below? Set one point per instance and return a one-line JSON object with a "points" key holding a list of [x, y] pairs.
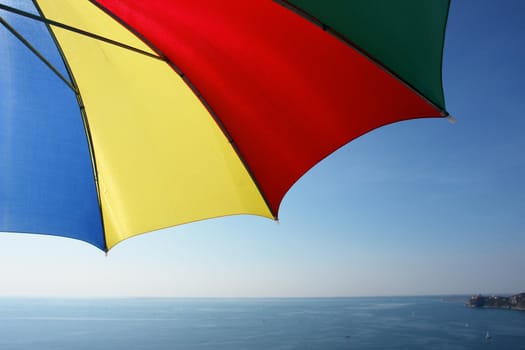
{"points": [[513, 302]]}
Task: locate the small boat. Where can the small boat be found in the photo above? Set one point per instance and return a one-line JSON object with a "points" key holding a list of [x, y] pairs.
{"points": [[488, 337]]}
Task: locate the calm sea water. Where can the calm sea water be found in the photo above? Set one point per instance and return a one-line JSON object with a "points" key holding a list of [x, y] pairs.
{"points": [[340, 323]]}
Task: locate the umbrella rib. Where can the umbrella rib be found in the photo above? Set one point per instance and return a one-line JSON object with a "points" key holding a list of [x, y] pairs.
{"points": [[78, 31], [37, 53], [205, 103], [85, 122], [327, 28]]}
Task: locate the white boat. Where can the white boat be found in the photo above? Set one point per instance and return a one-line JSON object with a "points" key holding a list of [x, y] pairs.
{"points": [[488, 337]]}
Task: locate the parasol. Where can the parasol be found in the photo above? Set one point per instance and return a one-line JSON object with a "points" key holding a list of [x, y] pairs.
{"points": [[188, 110]]}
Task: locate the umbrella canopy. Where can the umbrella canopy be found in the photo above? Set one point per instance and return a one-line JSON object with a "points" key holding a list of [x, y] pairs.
{"points": [[196, 109]]}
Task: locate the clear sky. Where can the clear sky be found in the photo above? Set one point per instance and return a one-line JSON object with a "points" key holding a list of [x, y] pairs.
{"points": [[419, 207]]}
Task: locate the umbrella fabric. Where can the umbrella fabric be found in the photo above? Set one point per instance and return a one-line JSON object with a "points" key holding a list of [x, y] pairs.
{"points": [[219, 108]]}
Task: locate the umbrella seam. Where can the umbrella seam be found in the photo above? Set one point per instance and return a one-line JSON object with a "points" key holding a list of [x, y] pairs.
{"points": [[83, 114], [311, 18], [198, 95]]}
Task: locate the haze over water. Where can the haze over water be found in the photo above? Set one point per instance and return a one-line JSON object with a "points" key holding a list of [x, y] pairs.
{"points": [[312, 323]]}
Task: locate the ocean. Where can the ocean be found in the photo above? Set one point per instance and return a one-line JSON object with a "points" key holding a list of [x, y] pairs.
{"points": [[313, 323]]}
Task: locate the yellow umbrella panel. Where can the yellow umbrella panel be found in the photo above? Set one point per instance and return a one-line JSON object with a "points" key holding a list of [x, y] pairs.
{"points": [[161, 160]]}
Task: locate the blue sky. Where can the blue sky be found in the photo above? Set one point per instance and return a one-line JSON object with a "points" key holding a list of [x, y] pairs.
{"points": [[419, 207]]}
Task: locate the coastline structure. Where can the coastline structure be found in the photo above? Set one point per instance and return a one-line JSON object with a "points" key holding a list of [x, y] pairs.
{"points": [[513, 302]]}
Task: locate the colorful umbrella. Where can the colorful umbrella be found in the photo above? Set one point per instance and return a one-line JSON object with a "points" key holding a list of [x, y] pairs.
{"points": [[194, 109]]}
